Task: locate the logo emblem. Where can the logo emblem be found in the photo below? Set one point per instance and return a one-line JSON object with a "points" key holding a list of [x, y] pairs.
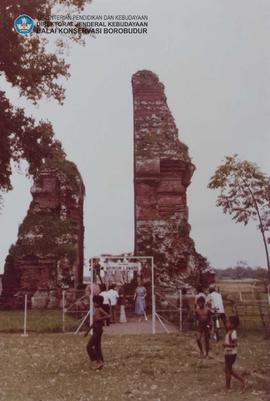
{"points": [[24, 24]]}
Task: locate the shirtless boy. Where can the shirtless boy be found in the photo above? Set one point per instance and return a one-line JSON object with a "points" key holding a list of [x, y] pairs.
{"points": [[203, 316]]}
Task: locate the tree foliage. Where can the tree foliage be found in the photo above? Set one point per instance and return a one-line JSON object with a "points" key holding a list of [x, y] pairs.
{"points": [[200, 274], [244, 194], [242, 271], [27, 64]]}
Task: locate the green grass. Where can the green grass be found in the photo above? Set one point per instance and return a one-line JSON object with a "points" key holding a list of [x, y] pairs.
{"points": [[39, 321], [50, 321], [55, 367]]}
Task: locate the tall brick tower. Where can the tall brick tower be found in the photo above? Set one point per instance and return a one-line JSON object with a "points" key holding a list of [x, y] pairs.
{"points": [[162, 173]]}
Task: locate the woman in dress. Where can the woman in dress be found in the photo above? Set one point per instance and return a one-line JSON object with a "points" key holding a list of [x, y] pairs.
{"points": [[139, 298]]}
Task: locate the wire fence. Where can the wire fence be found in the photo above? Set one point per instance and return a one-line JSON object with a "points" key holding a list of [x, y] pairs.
{"points": [[253, 309], [64, 310]]}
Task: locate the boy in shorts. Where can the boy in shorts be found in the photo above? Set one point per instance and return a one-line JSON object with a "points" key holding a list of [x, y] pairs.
{"points": [[203, 316], [230, 352]]}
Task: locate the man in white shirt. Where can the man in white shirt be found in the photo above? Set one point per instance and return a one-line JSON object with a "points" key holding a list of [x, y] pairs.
{"points": [[113, 295], [106, 301], [215, 302]]}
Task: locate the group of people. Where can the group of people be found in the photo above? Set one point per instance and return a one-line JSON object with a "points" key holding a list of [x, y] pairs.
{"points": [[111, 298], [208, 306]]}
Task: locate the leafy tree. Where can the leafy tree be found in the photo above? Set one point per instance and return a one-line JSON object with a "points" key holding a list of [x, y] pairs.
{"points": [[244, 194], [242, 272], [27, 64], [200, 274]]}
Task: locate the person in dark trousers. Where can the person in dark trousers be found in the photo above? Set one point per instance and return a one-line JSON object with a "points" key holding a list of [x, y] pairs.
{"points": [[94, 344], [203, 315], [230, 352]]}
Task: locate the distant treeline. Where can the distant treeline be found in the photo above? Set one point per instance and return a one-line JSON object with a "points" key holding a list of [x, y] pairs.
{"points": [[241, 272]]}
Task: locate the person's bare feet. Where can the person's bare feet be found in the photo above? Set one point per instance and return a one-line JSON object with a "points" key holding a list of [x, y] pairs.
{"points": [[99, 366]]}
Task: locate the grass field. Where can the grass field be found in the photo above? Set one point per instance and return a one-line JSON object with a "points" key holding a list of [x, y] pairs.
{"points": [[38, 320], [245, 285], [55, 367], [50, 321]]}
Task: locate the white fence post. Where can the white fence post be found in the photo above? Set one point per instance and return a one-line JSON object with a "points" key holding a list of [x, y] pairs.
{"points": [[63, 310], [91, 306], [153, 314], [180, 311], [153, 297], [25, 317]]}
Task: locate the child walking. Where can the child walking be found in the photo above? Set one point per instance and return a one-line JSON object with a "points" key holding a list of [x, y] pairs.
{"points": [[94, 344], [230, 352]]}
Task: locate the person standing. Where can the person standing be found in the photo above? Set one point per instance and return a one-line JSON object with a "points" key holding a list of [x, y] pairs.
{"points": [[139, 298], [215, 302], [113, 294], [122, 303], [106, 302], [94, 344], [203, 315]]}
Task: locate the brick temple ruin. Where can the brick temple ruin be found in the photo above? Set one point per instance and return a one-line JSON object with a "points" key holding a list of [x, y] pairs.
{"points": [[162, 173], [48, 254]]}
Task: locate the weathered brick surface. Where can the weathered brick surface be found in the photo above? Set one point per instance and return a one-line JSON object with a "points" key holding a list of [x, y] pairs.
{"points": [[162, 173], [36, 262]]}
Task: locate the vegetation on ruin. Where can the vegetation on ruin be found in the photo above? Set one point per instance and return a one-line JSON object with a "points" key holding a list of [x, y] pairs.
{"points": [[147, 368], [151, 144], [70, 171], [46, 234], [244, 194]]}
